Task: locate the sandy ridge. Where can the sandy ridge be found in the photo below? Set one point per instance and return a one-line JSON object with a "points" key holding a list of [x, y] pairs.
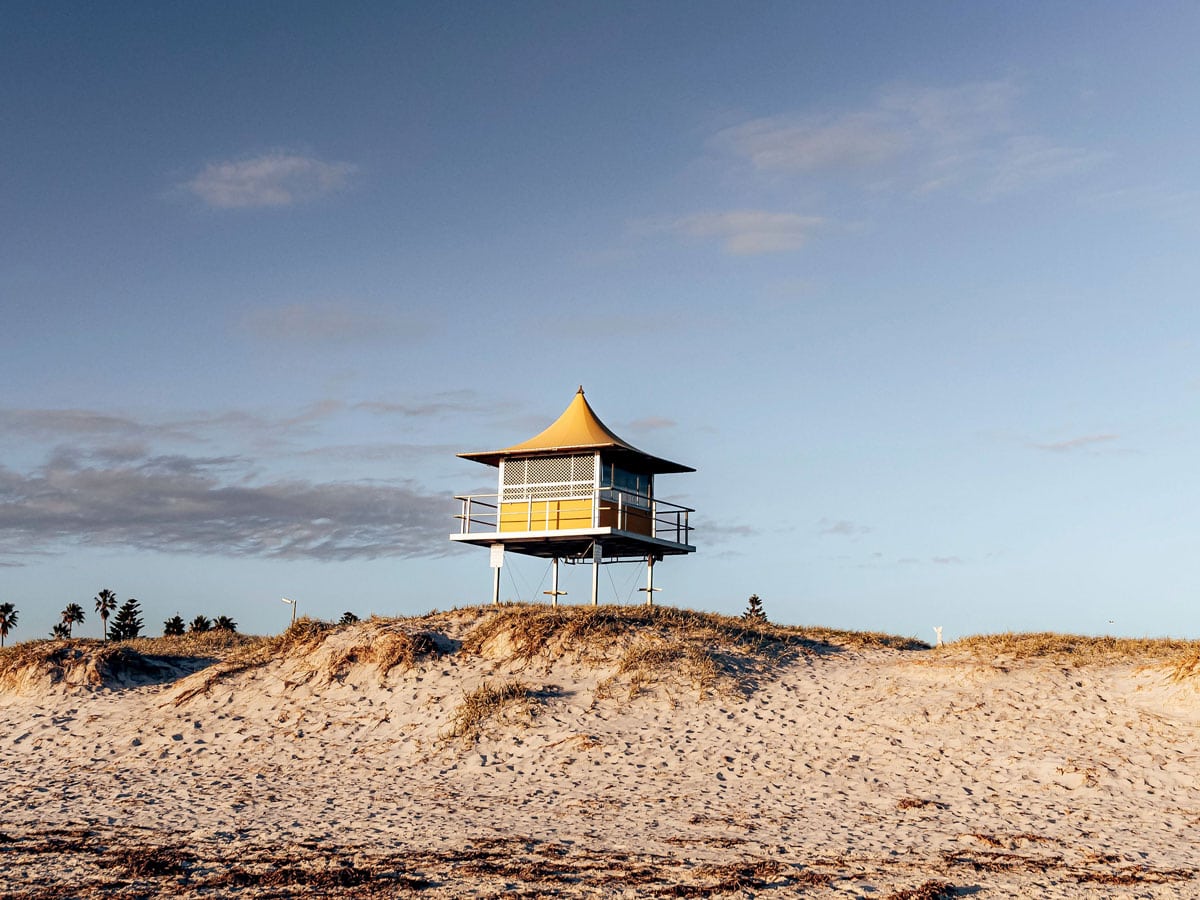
{"points": [[836, 773]]}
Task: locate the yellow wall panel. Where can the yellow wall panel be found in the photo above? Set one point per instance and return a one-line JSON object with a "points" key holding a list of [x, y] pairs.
{"points": [[546, 515], [630, 518]]}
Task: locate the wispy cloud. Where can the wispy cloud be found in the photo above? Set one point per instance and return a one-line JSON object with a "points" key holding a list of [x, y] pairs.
{"points": [[209, 483], [652, 423], [54, 424], [808, 143], [1085, 442], [915, 139], [1026, 161], [842, 527], [388, 452], [330, 323], [881, 561], [443, 403], [275, 179], [202, 505], [118, 437], [746, 232], [718, 533]]}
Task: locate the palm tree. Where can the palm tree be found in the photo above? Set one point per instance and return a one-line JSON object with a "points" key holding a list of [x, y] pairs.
{"points": [[60, 631], [348, 618], [224, 623], [106, 602], [200, 624], [72, 616], [173, 626], [8, 620]]}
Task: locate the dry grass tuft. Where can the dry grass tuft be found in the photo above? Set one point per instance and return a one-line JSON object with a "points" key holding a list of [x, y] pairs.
{"points": [[387, 649], [1185, 666], [1077, 649], [488, 702], [651, 660]]}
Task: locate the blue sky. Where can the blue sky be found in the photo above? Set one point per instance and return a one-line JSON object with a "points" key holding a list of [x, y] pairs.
{"points": [[912, 286]]}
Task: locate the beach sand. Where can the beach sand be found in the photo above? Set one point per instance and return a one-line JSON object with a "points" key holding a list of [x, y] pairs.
{"points": [[818, 770]]}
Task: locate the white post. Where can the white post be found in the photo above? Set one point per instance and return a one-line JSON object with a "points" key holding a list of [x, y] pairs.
{"points": [[497, 561], [554, 592], [649, 588], [597, 554]]}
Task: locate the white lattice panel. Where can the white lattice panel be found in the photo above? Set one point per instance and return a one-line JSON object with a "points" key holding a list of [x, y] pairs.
{"points": [[548, 477]]}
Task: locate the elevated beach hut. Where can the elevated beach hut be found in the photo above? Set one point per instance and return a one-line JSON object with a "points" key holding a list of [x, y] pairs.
{"points": [[579, 493]]}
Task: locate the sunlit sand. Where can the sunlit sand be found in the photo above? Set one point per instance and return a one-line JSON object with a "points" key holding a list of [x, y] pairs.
{"points": [[610, 752]]}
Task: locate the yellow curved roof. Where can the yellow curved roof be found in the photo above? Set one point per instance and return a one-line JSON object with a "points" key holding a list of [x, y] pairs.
{"points": [[579, 428]]}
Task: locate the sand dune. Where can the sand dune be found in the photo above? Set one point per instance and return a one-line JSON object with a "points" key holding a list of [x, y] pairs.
{"points": [[470, 754]]}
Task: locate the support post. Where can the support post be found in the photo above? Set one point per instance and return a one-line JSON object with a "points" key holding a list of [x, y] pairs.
{"points": [[597, 555], [554, 592], [497, 561], [649, 588]]}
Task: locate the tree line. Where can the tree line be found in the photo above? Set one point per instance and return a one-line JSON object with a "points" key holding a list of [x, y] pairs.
{"points": [[127, 622]]}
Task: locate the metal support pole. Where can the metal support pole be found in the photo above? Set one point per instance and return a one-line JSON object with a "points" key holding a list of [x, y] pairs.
{"points": [[554, 592], [597, 555], [649, 588], [497, 561]]}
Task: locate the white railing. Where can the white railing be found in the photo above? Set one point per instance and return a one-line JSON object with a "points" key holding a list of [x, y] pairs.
{"points": [[667, 521]]}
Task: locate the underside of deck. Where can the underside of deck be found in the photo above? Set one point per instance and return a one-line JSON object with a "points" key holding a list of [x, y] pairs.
{"points": [[578, 544]]}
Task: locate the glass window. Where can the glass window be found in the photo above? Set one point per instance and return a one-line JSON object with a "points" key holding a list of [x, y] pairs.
{"points": [[635, 486]]}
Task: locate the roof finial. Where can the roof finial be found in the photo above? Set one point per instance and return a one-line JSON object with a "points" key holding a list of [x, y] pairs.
{"points": [[580, 391]]}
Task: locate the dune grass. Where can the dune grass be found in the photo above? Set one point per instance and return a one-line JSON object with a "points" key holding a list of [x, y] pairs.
{"points": [[387, 648], [656, 646], [192, 644], [650, 662], [642, 647], [1077, 649], [530, 631], [487, 703], [1186, 666], [56, 658]]}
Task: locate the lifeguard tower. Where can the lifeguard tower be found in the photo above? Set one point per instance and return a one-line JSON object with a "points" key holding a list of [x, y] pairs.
{"points": [[576, 493]]}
